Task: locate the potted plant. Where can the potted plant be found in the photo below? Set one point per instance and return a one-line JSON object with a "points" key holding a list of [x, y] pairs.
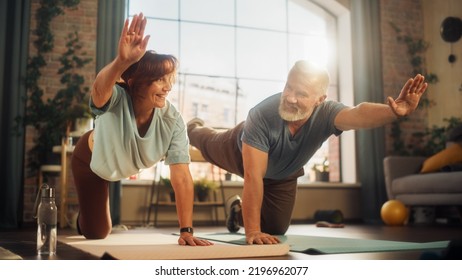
{"points": [[168, 187], [321, 171], [202, 188]]}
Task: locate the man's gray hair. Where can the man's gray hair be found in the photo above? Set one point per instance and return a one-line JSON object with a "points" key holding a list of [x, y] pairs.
{"points": [[316, 76]]}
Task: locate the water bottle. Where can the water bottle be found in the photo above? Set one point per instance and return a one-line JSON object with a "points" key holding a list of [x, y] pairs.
{"points": [[47, 217]]}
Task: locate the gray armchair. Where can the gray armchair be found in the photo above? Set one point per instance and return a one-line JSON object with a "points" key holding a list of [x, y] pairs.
{"points": [[404, 182]]}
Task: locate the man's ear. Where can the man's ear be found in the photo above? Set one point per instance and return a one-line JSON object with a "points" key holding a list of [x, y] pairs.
{"points": [[321, 99]]}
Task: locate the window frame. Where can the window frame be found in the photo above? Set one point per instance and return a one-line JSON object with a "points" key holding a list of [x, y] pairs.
{"points": [[343, 75]]}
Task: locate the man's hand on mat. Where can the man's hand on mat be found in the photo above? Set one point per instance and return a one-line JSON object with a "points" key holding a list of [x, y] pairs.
{"points": [[189, 239], [257, 237]]}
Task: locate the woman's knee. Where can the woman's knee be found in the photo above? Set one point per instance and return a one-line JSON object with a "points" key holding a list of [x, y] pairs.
{"points": [[99, 234], [95, 231]]}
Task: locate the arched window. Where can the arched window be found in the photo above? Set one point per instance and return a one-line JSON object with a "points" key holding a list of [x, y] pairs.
{"points": [[235, 53]]}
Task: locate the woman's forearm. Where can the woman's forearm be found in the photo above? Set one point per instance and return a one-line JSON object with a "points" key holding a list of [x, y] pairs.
{"points": [[102, 87], [184, 193]]}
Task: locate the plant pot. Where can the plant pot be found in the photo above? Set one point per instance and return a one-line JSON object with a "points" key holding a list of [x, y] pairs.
{"points": [[202, 196], [322, 176]]}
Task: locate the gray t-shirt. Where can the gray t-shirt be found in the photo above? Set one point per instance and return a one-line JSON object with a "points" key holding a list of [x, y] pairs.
{"points": [[265, 130], [119, 151]]}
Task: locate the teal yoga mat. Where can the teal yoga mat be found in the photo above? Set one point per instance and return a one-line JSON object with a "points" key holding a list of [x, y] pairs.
{"points": [[315, 245]]}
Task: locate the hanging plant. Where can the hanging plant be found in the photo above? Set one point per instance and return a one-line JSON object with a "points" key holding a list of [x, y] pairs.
{"points": [[416, 48], [434, 139], [51, 117]]}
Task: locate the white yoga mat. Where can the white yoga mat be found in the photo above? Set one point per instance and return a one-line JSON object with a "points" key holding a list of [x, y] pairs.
{"points": [[155, 246]]}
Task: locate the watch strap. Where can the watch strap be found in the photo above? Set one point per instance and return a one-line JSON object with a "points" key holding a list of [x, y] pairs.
{"points": [[187, 229]]}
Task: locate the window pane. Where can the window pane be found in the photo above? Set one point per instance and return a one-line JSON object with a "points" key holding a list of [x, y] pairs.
{"points": [[154, 8], [207, 49], [313, 48], [261, 54], [164, 36], [306, 18], [251, 92], [235, 53], [213, 11], [266, 14], [174, 95], [211, 99]]}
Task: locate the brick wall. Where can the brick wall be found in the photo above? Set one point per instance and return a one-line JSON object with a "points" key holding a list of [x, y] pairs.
{"points": [[82, 19], [407, 16]]}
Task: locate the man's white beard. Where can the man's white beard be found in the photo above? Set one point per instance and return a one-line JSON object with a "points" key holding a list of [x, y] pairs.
{"points": [[291, 117]]}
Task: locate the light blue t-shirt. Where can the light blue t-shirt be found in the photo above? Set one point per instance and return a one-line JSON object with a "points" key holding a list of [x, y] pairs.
{"points": [[119, 151], [265, 130]]}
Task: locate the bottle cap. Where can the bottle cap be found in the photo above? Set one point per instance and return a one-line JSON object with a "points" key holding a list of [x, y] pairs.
{"points": [[45, 191]]}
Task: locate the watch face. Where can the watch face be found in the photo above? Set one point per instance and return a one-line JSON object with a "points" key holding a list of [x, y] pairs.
{"points": [[187, 229], [451, 29]]}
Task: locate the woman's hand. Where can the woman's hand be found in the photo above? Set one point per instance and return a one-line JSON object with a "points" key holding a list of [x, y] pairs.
{"points": [[409, 97], [189, 239], [132, 45]]}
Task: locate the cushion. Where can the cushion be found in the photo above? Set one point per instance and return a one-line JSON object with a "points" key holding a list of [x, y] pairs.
{"points": [[450, 155]]}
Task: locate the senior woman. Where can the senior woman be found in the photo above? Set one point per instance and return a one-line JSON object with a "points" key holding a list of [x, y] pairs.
{"points": [[135, 127]]}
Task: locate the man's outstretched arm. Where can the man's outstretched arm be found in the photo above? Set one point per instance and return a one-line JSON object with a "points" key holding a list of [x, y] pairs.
{"points": [[372, 115]]}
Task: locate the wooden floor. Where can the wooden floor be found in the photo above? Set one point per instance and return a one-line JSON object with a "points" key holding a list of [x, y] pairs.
{"points": [[22, 242]]}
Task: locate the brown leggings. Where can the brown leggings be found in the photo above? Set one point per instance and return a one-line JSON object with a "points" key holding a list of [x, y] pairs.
{"points": [[221, 149], [94, 220]]}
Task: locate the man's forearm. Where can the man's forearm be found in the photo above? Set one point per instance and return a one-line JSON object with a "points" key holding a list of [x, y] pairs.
{"points": [[365, 115], [375, 114], [251, 205]]}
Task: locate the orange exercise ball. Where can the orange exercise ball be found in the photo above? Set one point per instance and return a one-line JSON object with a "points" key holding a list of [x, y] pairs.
{"points": [[394, 213]]}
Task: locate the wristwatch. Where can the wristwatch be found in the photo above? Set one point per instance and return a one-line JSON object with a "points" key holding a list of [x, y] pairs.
{"points": [[187, 229]]}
